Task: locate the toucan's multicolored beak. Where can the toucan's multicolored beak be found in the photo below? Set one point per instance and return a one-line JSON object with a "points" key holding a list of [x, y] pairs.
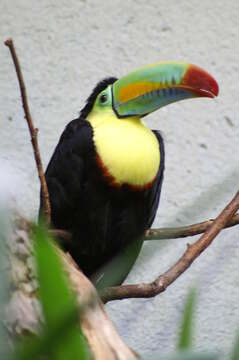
{"points": [[151, 87]]}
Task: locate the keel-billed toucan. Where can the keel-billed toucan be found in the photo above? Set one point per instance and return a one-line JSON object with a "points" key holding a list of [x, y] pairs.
{"points": [[105, 176]]}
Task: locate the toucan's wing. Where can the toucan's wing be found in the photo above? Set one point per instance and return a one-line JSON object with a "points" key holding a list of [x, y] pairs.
{"points": [[156, 190], [65, 174]]}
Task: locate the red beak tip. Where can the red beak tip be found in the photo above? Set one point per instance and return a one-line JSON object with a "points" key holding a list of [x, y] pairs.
{"points": [[201, 81], [216, 89]]}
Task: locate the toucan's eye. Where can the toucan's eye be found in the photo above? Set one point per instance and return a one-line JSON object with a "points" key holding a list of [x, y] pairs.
{"points": [[103, 98]]}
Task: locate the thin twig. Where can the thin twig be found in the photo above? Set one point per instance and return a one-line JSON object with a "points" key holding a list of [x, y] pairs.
{"points": [[33, 131], [184, 231], [193, 251], [163, 233]]}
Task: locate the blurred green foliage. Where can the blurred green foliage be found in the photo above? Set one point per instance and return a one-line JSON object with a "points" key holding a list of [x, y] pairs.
{"points": [[235, 352], [62, 338], [186, 330]]}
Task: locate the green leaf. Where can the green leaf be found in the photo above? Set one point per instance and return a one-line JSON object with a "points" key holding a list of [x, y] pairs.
{"points": [[235, 354], [55, 294], [62, 338], [185, 336]]}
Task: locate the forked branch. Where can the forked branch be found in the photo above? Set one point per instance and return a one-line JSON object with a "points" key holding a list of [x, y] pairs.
{"points": [[161, 283]]}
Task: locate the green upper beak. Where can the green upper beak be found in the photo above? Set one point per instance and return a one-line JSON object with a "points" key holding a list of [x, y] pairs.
{"points": [[151, 87]]}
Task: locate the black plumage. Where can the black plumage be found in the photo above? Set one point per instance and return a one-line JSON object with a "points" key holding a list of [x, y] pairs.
{"points": [[102, 218]]}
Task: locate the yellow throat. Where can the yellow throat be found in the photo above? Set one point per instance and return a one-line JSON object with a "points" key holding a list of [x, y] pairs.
{"points": [[126, 147]]}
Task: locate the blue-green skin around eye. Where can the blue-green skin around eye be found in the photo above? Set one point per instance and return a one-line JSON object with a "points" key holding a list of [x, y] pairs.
{"points": [[108, 102]]}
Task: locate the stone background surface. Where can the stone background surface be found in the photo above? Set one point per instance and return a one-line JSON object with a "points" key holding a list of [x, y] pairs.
{"points": [[65, 47]]}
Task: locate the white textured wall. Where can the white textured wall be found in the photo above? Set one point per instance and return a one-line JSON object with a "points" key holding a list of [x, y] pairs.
{"points": [[65, 47]]}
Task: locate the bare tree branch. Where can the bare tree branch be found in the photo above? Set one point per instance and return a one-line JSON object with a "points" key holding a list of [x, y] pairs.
{"points": [[184, 231], [161, 283], [33, 131], [163, 233]]}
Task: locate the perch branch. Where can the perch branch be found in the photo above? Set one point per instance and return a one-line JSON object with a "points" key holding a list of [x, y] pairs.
{"points": [[163, 233], [184, 231], [161, 283], [33, 131]]}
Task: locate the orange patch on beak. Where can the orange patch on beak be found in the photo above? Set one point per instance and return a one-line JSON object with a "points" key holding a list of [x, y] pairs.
{"points": [[132, 91]]}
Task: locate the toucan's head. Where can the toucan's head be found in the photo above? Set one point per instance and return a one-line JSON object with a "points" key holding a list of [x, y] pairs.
{"points": [[151, 87]]}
